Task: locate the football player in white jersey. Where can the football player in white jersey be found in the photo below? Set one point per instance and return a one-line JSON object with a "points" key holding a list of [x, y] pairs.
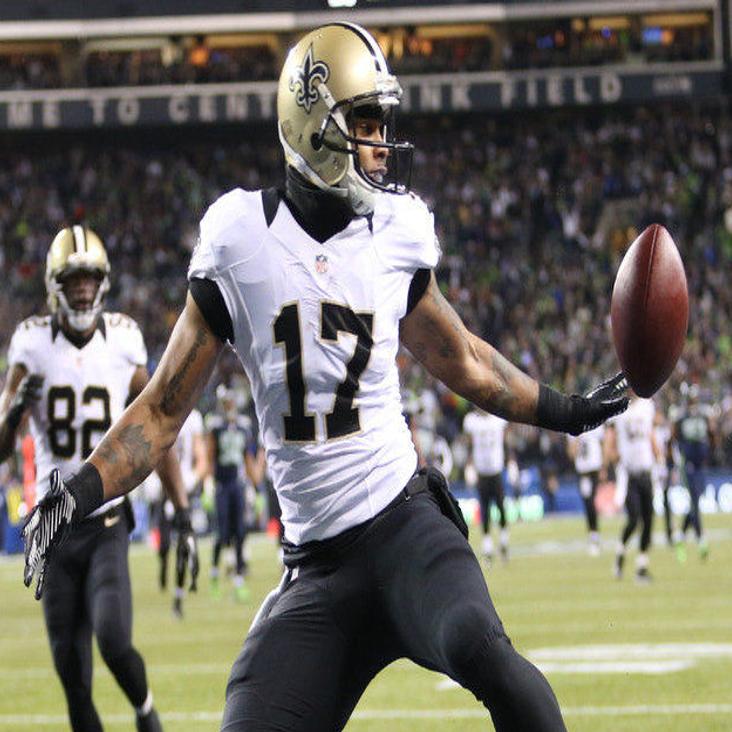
{"points": [[73, 372], [488, 456], [586, 452], [631, 444], [314, 286], [190, 448]]}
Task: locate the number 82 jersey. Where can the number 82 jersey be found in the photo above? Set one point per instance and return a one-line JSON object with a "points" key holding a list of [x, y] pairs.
{"points": [[316, 327], [84, 389]]}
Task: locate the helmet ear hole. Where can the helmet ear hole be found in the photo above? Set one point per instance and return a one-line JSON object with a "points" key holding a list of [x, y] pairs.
{"points": [[316, 141]]}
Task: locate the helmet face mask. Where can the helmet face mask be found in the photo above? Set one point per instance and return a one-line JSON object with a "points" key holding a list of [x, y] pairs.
{"points": [[338, 134], [76, 251], [332, 75]]}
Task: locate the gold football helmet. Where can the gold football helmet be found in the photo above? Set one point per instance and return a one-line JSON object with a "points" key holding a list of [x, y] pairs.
{"points": [[332, 74], [75, 249]]}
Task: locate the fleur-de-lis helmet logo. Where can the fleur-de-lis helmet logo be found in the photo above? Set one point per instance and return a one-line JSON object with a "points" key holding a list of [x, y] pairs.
{"points": [[303, 78]]}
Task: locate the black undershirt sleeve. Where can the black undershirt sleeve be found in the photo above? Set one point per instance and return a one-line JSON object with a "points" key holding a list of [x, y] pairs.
{"points": [[211, 303], [417, 288]]}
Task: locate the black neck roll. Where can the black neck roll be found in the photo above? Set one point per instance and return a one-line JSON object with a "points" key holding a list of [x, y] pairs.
{"points": [[320, 213]]}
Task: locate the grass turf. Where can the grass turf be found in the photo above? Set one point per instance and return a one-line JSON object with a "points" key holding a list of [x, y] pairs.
{"points": [[549, 595]]}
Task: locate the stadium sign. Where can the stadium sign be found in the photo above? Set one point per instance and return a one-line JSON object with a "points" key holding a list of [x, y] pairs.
{"points": [[240, 102]]}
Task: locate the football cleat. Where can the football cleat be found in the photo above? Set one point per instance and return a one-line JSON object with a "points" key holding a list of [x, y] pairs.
{"points": [[149, 722]]}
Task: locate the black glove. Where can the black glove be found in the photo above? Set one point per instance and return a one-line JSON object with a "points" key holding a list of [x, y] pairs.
{"points": [[186, 551], [49, 523], [576, 414], [28, 393], [46, 529]]}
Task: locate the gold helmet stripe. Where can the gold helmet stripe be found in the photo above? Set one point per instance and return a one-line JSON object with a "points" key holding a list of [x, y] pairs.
{"points": [[368, 39], [79, 239]]}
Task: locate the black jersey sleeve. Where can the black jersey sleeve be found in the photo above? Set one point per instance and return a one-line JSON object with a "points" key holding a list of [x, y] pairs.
{"points": [[417, 288], [211, 303]]}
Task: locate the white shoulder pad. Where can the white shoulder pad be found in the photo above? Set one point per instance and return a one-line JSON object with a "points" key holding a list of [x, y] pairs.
{"points": [[230, 233], [404, 229], [124, 334], [30, 343]]}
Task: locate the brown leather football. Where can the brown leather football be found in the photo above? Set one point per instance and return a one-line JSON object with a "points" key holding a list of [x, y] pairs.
{"points": [[649, 311]]}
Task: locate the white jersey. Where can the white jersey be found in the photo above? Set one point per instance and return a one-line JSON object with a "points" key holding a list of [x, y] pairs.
{"points": [[486, 434], [192, 428], [589, 450], [634, 430], [316, 327], [84, 389]]}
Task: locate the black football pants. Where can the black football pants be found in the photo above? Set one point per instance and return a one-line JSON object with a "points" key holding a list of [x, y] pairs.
{"points": [[408, 586], [490, 490], [88, 590], [695, 483], [588, 491], [639, 505]]}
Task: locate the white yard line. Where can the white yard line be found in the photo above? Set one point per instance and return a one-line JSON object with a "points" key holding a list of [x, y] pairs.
{"points": [[30, 720]]}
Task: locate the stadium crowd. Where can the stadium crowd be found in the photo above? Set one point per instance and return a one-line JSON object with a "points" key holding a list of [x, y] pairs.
{"points": [[193, 60], [533, 217]]}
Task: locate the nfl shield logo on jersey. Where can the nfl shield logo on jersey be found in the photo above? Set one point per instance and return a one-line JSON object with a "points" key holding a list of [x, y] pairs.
{"points": [[321, 263]]}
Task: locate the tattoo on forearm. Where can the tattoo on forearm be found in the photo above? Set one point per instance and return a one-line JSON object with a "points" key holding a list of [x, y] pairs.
{"points": [[132, 451], [169, 402], [504, 392]]}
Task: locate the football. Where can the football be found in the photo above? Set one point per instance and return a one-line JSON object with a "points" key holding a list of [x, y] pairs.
{"points": [[649, 311]]}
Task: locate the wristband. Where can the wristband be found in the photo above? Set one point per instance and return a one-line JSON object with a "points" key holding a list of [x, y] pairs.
{"points": [[554, 410], [87, 490]]}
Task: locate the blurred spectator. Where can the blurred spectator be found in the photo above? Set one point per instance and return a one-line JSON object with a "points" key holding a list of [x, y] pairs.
{"points": [[541, 44], [533, 216]]}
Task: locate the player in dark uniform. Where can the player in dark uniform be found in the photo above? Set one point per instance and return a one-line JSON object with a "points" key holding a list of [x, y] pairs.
{"points": [[72, 374], [693, 434], [315, 286], [232, 452], [664, 471]]}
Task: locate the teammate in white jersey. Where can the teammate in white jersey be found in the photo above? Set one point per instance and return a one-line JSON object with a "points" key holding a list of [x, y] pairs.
{"points": [[190, 448], [488, 456], [631, 444], [73, 372], [314, 287], [586, 452]]}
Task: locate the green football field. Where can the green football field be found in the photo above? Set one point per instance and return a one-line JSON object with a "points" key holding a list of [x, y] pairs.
{"points": [[619, 656]]}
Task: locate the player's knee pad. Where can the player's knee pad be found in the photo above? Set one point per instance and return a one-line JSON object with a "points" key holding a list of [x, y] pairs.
{"points": [[112, 646], [465, 630], [491, 672]]}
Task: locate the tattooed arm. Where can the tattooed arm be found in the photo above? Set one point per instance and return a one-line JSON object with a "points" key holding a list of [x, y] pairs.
{"points": [[135, 444], [439, 340], [168, 468]]}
